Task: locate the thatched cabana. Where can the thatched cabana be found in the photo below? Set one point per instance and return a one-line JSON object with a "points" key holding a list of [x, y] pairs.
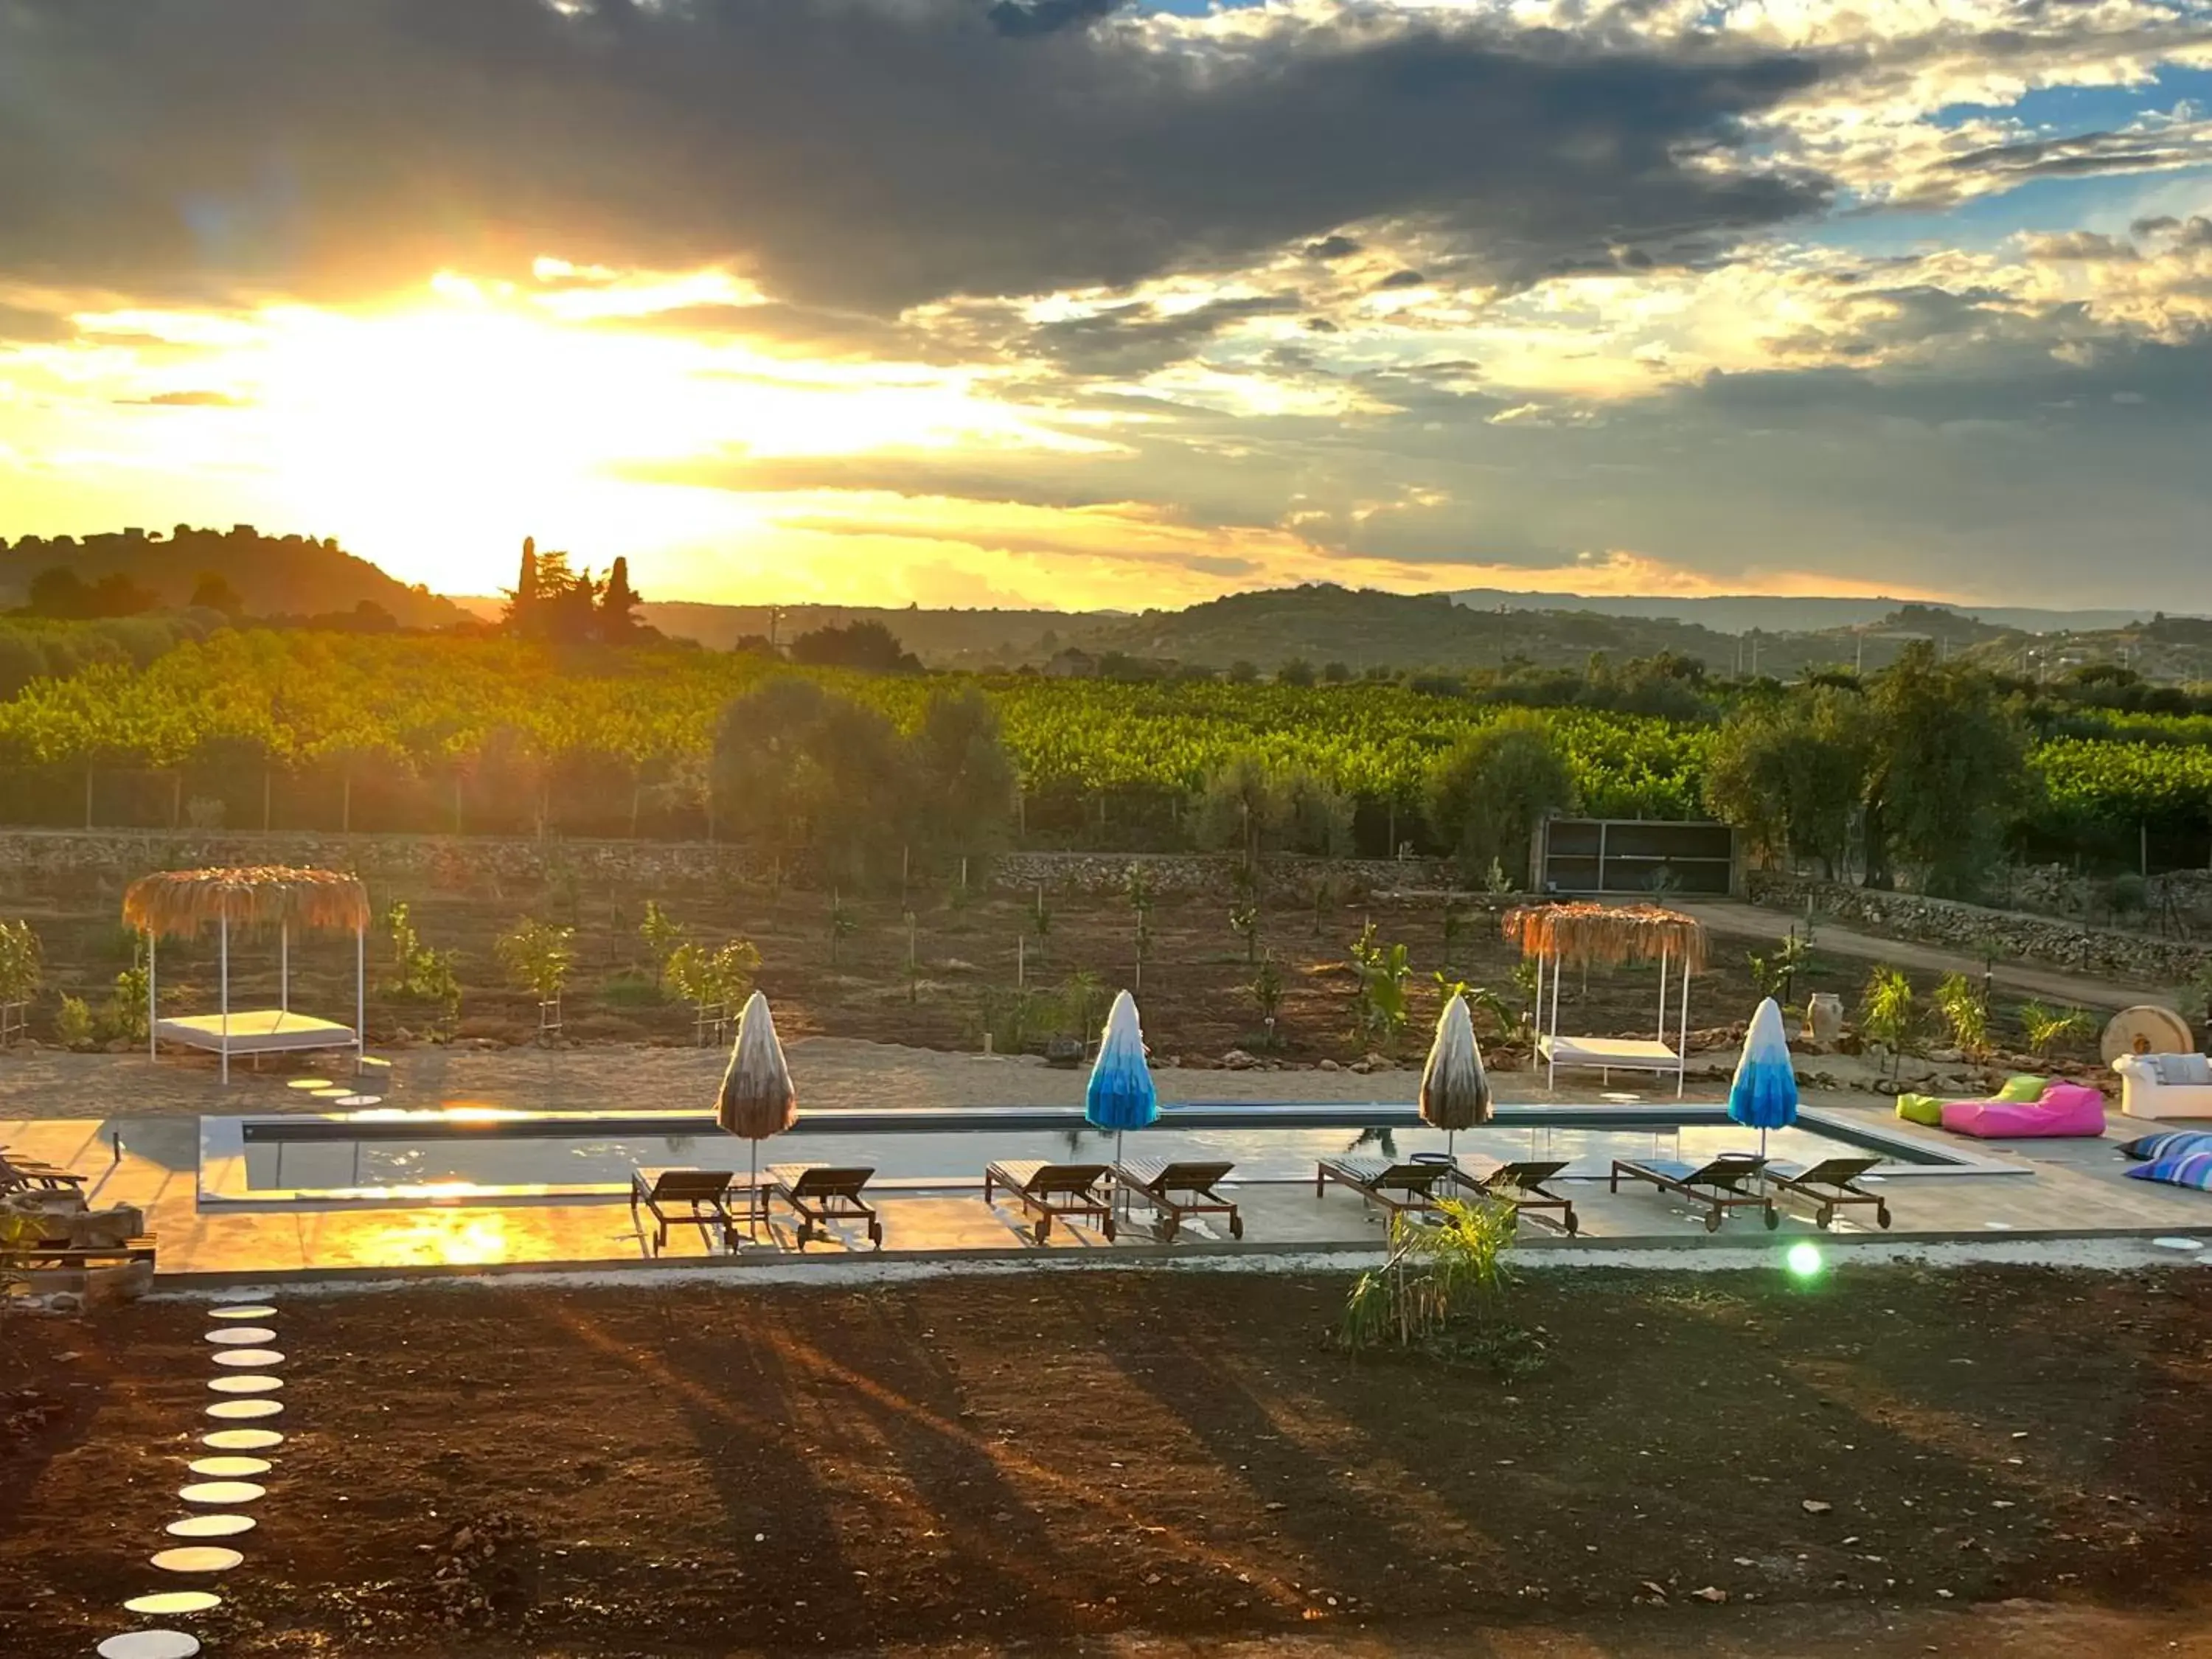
{"points": [[183, 903], [1609, 935]]}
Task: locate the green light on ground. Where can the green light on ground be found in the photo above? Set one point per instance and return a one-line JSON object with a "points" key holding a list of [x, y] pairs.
{"points": [[1803, 1259]]}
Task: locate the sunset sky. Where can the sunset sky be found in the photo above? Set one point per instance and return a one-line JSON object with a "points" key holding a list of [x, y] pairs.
{"points": [[1075, 302]]}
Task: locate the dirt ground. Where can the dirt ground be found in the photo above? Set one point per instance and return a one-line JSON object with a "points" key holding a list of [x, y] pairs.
{"points": [[1196, 982], [974, 1464]]}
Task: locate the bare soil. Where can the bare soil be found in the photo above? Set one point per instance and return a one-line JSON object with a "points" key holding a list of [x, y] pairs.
{"points": [[1068, 1461], [1195, 983]]}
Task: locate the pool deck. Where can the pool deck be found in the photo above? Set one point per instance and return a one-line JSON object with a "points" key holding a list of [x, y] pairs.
{"points": [[2077, 1191]]}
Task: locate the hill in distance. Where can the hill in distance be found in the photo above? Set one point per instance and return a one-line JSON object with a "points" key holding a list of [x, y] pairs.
{"points": [[272, 575], [1738, 613]]}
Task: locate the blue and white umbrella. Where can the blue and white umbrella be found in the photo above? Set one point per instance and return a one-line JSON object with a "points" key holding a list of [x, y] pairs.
{"points": [[1764, 1095], [1120, 1095]]}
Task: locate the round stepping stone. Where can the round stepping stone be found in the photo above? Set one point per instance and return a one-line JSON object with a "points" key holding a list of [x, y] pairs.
{"points": [[149, 1644], [242, 1439], [240, 1336], [249, 1359], [2178, 1243], [163, 1603], [231, 1468], [246, 1384], [210, 1526], [242, 1311], [198, 1558], [336, 1092], [243, 1411], [359, 1100], [308, 1083], [217, 1494]]}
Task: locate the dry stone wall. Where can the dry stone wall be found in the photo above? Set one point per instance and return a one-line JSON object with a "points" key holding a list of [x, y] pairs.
{"points": [[1976, 930]]}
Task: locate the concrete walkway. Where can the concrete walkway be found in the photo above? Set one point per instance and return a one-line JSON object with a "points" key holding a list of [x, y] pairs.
{"points": [[1751, 922]]}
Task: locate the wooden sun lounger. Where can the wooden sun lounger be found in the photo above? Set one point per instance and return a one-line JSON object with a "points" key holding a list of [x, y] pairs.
{"points": [[1833, 1184], [1522, 1185], [54, 1254], [1397, 1187], [1068, 1191], [1716, 1186], [18, 1172], [1176, 1190], [823, 1194], [698, 1198]]}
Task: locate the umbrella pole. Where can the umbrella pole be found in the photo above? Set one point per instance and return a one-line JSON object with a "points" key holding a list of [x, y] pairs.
{"points": [[753, 1205]]}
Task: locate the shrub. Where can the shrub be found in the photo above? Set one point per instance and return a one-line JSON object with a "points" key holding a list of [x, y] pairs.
{"points": [[538, 957], [1964, 1012], [73, 1023], [1889, 1013], [2046, 1029], [1438, 1275]]}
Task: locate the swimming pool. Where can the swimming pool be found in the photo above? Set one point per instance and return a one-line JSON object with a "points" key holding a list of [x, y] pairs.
{"points": [[478, 1156]]}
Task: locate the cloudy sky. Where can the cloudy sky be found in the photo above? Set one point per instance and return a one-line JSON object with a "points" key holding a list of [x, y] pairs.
{"points": [[1078, 302]]}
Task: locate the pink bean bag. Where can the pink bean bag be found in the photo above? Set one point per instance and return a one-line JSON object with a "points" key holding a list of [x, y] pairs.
{"points": [[2066, 1109]]}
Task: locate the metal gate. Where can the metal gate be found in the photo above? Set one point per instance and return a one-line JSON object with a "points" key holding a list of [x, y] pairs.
{"points": [[1623, 856]]}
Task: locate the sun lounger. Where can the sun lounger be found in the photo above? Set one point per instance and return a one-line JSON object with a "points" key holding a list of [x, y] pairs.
{"points": [[823, 1195], [698, 1198], [1066, 1191], [1176, 1190], [1521, 1185], [59, 1254], [1833, 1184], [1717, 1186], [16, 1173], [1396, 1188]]}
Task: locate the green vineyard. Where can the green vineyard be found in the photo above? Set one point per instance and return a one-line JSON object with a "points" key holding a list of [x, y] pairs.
{"points": [[412, 732]]}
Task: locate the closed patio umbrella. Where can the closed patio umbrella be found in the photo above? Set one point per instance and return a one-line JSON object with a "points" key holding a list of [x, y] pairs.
{"points": [[1120, 1096], [1454, 1088], [756, 1099], [1764, 1095]]}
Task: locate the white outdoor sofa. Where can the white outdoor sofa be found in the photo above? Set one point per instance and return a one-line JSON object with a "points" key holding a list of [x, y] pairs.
{"points": [[2165, 1085]]}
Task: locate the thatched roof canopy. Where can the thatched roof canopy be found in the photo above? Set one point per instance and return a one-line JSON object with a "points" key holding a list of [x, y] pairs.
{"points": [[1607, 934], [181, 903]]}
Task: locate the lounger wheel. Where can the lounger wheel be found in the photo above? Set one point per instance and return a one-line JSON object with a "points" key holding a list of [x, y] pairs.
{"points": [[1823, 1216], [1881, 1216], [1043, 1231], [1712, 1221], [1169, 1228], [1108, 1229], [1572, 1223], [1772, 1216], [1236, 1226], [876, 1234], [805, 1234]]}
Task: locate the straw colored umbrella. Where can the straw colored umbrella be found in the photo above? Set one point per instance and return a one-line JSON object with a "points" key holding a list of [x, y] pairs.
{"points": [[1454, 1088], [756, 1098]]}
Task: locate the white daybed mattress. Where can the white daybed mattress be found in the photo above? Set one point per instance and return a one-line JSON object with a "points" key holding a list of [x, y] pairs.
{"points": [[1609, 1053], [255, 1030]]}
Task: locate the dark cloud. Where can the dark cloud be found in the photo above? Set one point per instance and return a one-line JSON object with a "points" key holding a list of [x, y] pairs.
{"points": [[23, 326], [1402, 279], [815, 332], [1022, 18], [2078, 154], [2082, 247], [865, 154], [1332, 247], [1138, 339]]}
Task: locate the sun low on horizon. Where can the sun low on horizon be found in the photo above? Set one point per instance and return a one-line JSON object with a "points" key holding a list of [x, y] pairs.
{"points": [[1040, 303]]}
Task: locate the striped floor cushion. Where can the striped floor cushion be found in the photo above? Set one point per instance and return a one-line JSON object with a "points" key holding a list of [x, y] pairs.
{"points": [[2168, 1143], [2181, 1169]]}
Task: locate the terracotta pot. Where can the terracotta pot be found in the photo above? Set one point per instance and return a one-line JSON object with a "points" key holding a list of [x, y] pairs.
{"points": [[1824, 1017]]}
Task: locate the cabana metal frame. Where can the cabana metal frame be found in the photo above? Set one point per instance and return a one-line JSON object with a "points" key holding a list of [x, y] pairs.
{"points": [[1609, 935], [183, 903]]}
